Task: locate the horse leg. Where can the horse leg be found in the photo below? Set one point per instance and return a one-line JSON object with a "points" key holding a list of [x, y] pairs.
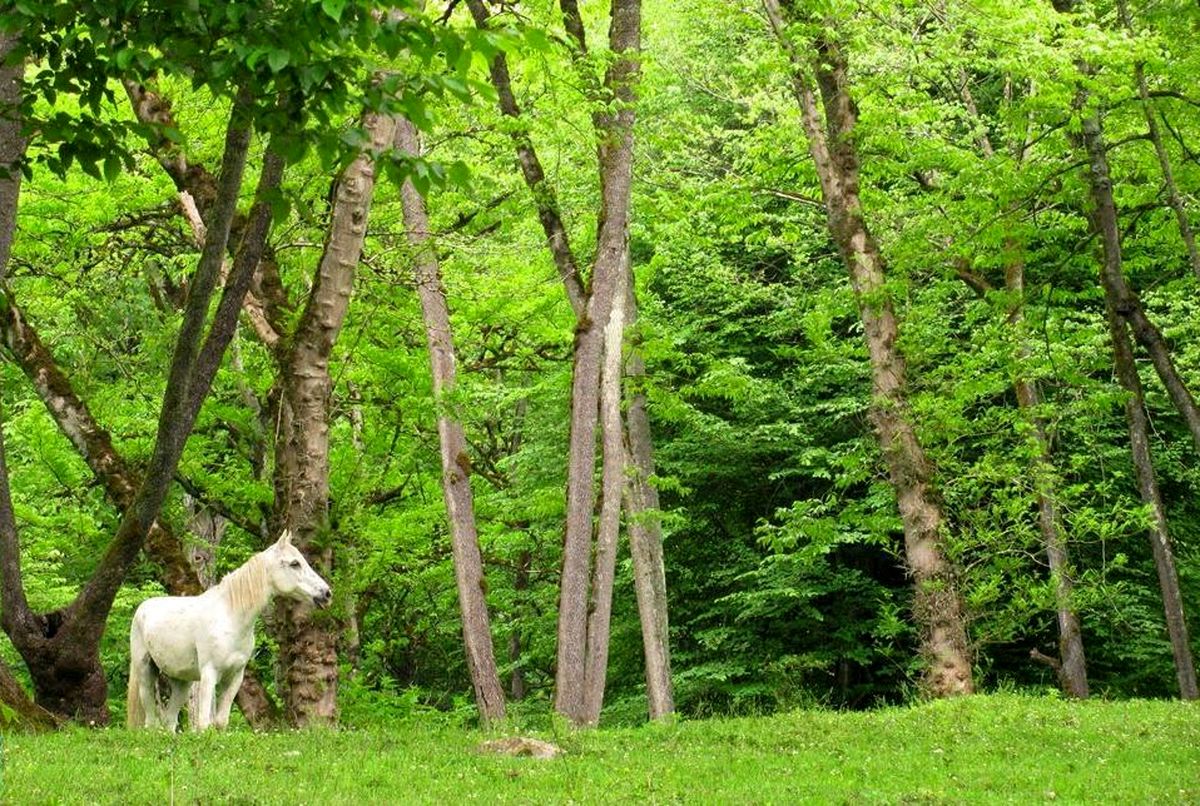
{"points": [[179, 693], [225, 701], [204, 698], [147, 691]]}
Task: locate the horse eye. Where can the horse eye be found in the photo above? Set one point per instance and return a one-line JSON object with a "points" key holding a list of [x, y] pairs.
{"points": [[294, 563]]}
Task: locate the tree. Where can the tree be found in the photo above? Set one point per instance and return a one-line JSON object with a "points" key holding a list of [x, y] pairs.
{"points": [[456, 462], [938, 608]]}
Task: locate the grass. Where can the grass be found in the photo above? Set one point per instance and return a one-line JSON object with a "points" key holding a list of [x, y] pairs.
{"points": [[995, 749]]}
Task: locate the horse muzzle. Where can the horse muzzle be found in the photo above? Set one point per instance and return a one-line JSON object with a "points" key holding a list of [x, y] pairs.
{"points": [[324, 598]]}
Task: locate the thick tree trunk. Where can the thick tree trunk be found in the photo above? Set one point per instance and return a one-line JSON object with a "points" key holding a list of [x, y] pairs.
{"points": [[308, 642], [937, 605], [645, 531], [612, 483], [456, 463], [1118, 300]]}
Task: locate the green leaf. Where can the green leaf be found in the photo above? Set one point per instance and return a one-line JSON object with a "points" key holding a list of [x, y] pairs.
{"points": [[277, 59], [334, 8]]}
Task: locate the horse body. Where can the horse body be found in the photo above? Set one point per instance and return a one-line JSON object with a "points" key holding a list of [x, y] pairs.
{"points": [[207, 640]]}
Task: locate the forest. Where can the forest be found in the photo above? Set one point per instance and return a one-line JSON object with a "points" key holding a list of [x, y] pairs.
{"points": [[611, 359]]}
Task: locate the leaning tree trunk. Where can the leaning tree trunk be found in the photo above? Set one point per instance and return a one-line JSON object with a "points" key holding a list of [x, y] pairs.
{"points": [[307, 641], [645, 530], [1124, 310], [19, 711], [1117, 301], [1147, 483], [937, 606], [456, 463]]}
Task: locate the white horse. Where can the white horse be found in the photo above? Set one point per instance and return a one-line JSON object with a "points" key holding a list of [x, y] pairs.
{"points": [[208, 639]]}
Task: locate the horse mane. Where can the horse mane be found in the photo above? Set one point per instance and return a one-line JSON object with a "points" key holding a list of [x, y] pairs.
{"points": [[246, 588]]}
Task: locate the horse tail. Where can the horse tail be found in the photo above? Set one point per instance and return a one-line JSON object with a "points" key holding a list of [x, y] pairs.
{"points": [[135, 714]]}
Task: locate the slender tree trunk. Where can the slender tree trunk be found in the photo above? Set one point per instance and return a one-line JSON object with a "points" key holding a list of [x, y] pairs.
{"points": [[652, 607], [1160, 541], [1072, 668], [612, 483], [1117, 300], [1073, 663], [615, 159], [535, 177], [308, 642], [645, 531], [456, 463], [937, 605]]}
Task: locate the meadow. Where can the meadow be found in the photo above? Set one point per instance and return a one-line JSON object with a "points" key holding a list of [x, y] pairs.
{"points": [[985, 749]]}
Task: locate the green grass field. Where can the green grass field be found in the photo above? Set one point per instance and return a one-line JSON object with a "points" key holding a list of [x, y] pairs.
{"points": [[997, 749]]}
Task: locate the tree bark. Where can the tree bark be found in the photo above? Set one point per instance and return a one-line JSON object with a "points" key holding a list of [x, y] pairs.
{"points": [[645, 530], [535, 177], [937, 605], [654, 613], [24, 713], [307, 642], [611, 485], [1147, 483], [615, 159], [1073, 663], [1117, 302], [456, 462]]}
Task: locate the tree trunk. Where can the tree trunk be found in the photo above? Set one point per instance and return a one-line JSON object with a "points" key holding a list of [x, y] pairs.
{"points": [[1072, 665], [612, 482], [456, 462], [307, 641], [652, 606], [535, 178], [24, 713], [1117, 301], [1160, 540], [645, 531], [615, 159], [937, 605]]}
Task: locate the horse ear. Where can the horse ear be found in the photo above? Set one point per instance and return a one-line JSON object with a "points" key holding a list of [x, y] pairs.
{"points": [[285, 539]]}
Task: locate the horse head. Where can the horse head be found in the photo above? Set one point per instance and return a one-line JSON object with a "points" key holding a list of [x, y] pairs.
{"points": [[292, 576]]}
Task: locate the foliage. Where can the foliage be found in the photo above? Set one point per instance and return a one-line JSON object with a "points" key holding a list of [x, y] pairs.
{"points": [[783, 542]]}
